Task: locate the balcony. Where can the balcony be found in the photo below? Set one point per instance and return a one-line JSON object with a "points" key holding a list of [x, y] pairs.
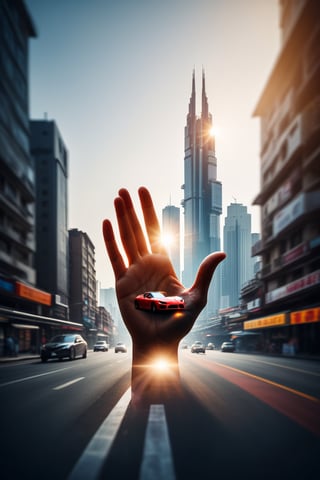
{"points": [[250, 287], [285, 146], [302, 205], [311, 134]]}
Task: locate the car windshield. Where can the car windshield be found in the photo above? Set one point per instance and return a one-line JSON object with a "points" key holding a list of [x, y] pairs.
{"points": [[157, 295], [100, 342], [63, 338]]}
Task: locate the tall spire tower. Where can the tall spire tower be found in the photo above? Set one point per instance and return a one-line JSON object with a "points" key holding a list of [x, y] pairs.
{"points": [[202, 195]]}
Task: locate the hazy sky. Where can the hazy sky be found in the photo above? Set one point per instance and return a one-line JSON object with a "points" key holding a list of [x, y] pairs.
{"points": [[116, 78]]}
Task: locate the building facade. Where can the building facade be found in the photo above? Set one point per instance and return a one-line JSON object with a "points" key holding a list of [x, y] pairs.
{"points": [[51, 166], [82, 278], [171, 235], [289, 111], [17, 173], [237, 267], [26, 315], [202, 200]]}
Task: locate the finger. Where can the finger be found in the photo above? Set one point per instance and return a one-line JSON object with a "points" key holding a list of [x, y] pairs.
{"points": [[135, 224], [114, 254], [126, 232], [151, 221], [205, 273]]}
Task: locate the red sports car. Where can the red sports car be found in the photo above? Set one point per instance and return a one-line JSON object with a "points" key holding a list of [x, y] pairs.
{"points": [[156, 301]]}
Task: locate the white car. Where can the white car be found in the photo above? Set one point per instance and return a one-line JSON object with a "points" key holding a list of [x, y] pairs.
{"points": [[120, 347], [198, 347], [101, 346]]}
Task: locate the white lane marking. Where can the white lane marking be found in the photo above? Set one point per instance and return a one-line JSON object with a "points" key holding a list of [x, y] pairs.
{"points": [[316, 374], [91, 461], [67, 384], [157, 462], [32, 377]]}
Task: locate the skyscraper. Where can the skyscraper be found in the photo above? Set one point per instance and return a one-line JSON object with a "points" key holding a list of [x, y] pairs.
{"points": [[202, 195], [238, 266], [51, 162]]}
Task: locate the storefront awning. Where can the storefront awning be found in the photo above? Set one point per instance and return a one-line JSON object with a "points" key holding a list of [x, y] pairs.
{"points": [[24, 326]]}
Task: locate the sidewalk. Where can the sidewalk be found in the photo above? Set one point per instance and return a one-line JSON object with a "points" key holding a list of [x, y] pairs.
{"points": [[19, 357]]}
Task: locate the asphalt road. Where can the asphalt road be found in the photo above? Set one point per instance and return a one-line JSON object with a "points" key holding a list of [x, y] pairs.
{"points": [[237, 415]]}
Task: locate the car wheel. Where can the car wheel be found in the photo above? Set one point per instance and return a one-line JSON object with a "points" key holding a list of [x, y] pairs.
{"points": [[44, 359], [136, 304], [72, 354], [84, 354], [153, 307]]}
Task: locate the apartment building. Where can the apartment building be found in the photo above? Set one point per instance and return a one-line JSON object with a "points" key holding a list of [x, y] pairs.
{"points": [[82, 282], [289, 197]]}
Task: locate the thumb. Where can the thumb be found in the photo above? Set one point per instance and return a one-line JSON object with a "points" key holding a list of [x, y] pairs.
{"points": [[205, 273]]}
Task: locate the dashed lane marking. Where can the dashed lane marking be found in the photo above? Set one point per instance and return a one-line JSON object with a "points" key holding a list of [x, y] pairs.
{"points": [[67, 384], [157, 462], [24, 379], [91, 461]]}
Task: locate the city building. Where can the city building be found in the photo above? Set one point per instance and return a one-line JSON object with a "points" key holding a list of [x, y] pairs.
{"points": [[171, 235], [82, 286], [105, 325], [51, 165], [202, 200], [238, 266], [26, 311], [108, 299], [289, 197], [17, 174]]}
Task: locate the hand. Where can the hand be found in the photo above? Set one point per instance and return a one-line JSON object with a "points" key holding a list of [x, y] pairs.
{"points": [[149, 269]]}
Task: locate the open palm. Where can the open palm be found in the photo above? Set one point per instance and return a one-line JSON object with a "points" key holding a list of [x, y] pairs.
{"points": [[149, 269]]}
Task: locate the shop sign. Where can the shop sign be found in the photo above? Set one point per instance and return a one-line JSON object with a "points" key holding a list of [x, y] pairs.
{"points": [[305, 282], [7, 286], [294, 254], [270, 321], [256, 303], [288, 214], [305, 316], [33, 294]]}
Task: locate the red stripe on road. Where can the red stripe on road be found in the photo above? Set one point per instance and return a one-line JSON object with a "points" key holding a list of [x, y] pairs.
{"points": [[299, 407]]}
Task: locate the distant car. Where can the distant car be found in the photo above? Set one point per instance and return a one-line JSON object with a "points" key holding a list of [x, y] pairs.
{"points": [[64, 346], [120, 347], [210, 346], [157, 301], [198, 347], [101, 346], [228, 347]]}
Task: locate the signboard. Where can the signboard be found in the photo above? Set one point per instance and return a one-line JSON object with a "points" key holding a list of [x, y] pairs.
{"points": [[270, 321], [307, 281], [288, 214], [33, 294], [309, 315], [7, 286]]}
